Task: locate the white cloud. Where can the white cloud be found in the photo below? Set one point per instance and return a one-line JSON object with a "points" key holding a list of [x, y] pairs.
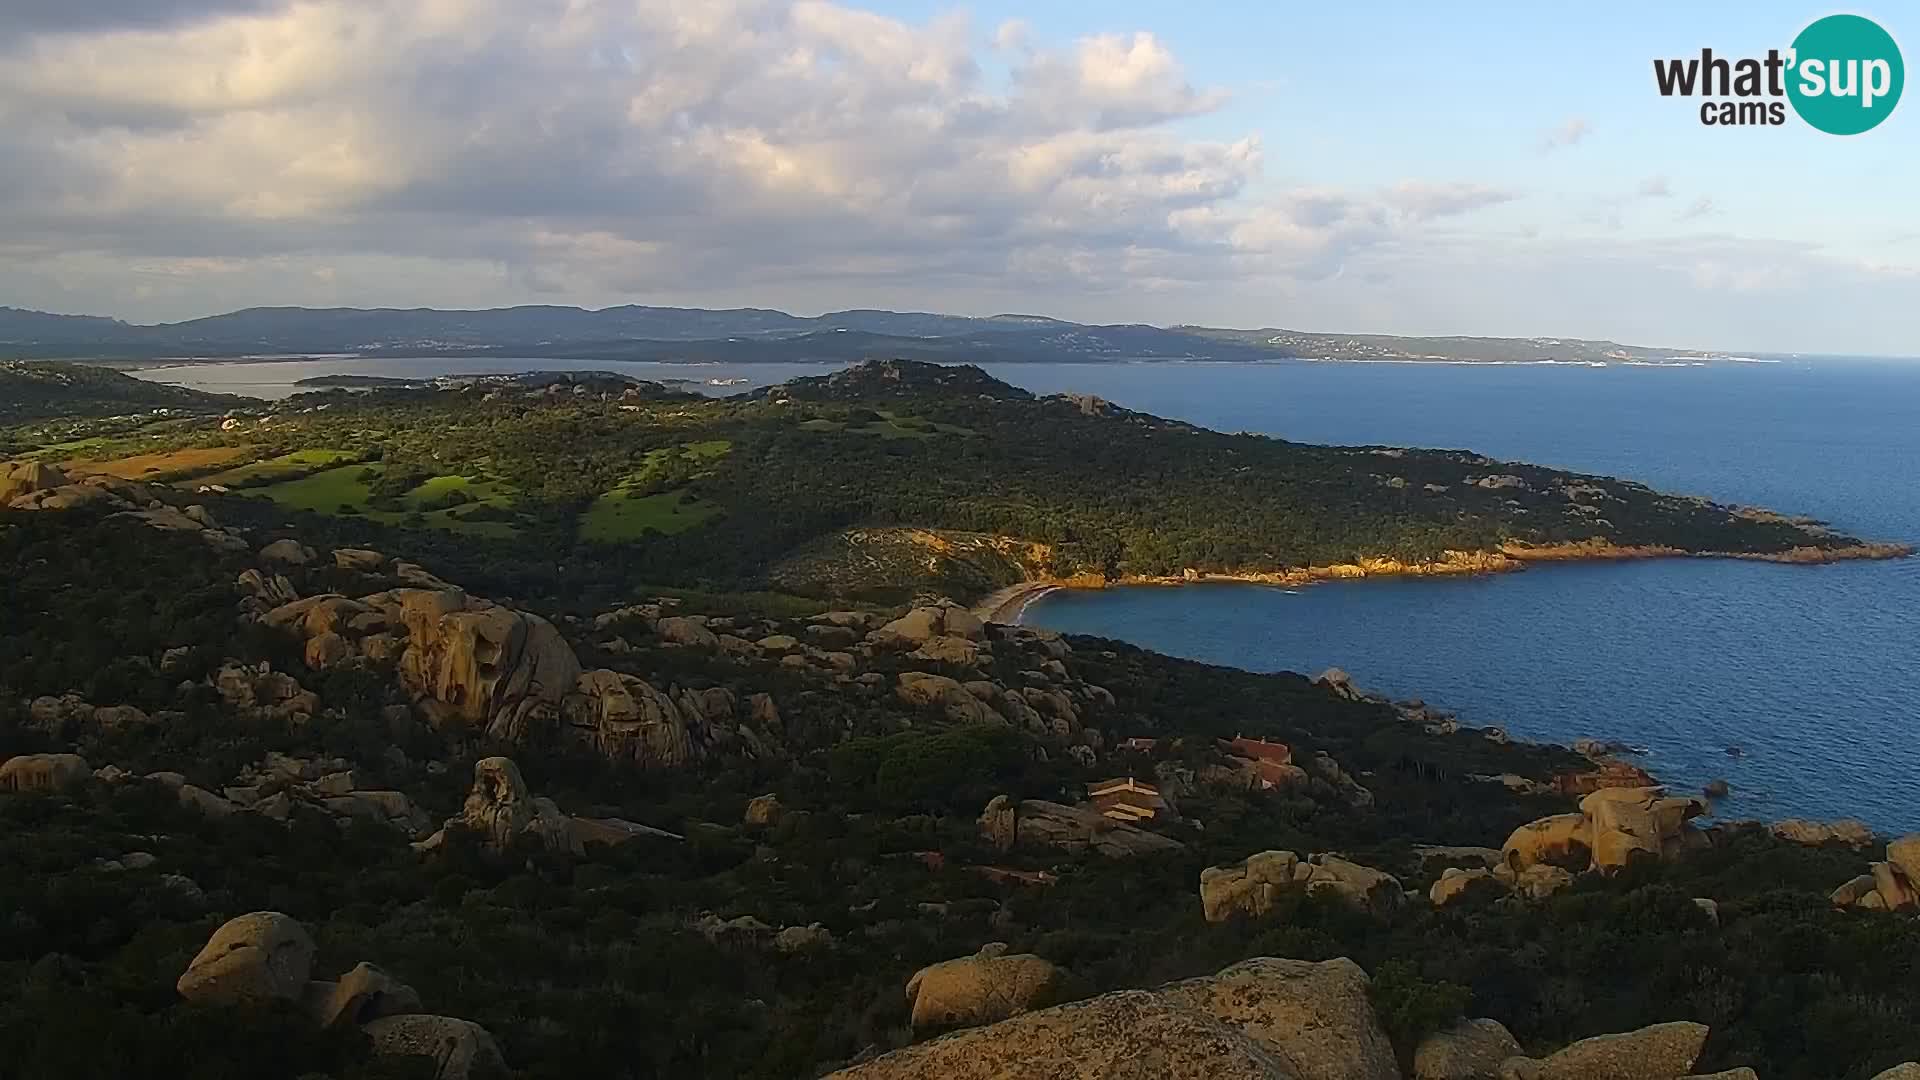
{"points": [[162, 158], [1567, 133], [611, 148]]}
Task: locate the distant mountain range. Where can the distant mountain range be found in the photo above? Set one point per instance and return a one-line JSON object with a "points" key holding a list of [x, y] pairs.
{"points": [[747, 334]]}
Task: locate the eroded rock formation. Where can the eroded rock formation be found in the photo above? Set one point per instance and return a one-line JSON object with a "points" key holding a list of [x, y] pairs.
{"points": [[1889, 885], [1613, 827], [1253, 887], [500, 809]]}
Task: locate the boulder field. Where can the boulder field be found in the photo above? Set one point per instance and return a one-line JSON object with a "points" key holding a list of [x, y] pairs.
{"points": [[1260, 1019], [267, 957]]}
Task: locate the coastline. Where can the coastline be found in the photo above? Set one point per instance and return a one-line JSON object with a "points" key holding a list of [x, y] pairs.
{"points": [[1008, 604]]}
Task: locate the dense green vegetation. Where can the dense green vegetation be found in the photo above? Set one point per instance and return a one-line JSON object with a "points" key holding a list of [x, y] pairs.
{"points": [[598, 966], [829, 486]]}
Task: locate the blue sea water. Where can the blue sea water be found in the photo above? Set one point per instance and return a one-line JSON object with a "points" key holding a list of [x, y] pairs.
{"points": [[1812, 672]]}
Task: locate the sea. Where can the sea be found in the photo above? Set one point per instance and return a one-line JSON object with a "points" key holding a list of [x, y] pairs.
{"points": [[1798, 685]]}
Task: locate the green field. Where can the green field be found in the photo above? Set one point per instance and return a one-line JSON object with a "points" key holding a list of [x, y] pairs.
{"points": [[287, 466], [631, 508], [344, 490], [621, 515]]}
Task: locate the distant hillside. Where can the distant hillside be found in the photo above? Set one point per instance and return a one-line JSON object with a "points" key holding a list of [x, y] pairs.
{"points": [[744, 335], [43, 390]]}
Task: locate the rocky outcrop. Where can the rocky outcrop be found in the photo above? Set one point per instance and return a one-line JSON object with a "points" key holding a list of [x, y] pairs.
{"points": [[44, 772], [459, 1049], [1537, 882], [1006, 823], [501, 810], [1561, 840], [984, 988], [265, 956], [1468, 1050], [1659, 1052], [628, 719], [923, 690], [363, 994], [472, 665], [1132, 1033], [1314, 1017], [1262, 1019], [257, 691], [924, 624], [1614, 826], [684, 630], [1816, 833], [287, 553], [1890, 885], [21, 478], [1456, 885], [1254, 887], [1250, 889], [482, 665]]}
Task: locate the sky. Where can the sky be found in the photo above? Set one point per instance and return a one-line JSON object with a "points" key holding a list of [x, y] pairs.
{"points": [[1499, 169]]}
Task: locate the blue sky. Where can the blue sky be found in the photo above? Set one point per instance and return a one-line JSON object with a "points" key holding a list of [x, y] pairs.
{"points": [[1490, 169]]}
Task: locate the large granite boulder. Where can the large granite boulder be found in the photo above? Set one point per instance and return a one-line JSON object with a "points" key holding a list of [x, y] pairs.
{"points": [[1314, 1017], [21, 478], [482, 665], [1904, 854], [1253, 887], [1250, 888], [1659, 1052], [1536, 882], [1469, 1050], [43, 772], [984, 988], [628, 719], [924, 690], [1130, 1035], [1564, 840], [363, 994], [683, 630], [264, 956], [500, 808], [287, 552], [460, 1049], [923, 624], [1460, 886], [1360, 887]]}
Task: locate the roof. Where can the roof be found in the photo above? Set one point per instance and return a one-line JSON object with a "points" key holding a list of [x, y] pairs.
{"points": [[1119, 785]]}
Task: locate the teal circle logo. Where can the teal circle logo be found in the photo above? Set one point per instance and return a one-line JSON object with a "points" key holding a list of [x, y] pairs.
{"points": [[1846, 74]]}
